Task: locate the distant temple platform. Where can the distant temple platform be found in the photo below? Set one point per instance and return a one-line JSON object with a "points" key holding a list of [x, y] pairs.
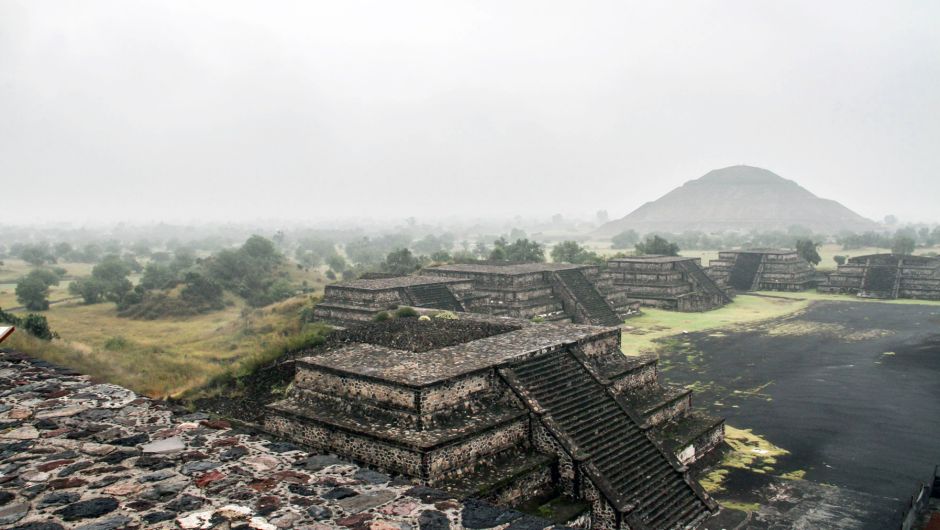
{"points": [[887, 276], [761, 270]]}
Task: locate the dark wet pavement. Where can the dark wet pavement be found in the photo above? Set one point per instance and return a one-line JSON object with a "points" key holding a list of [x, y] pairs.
{"points": [[855, 409]]}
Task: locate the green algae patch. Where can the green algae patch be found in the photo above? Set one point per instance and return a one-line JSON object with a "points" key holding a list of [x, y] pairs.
{"points": [[748, 451], [740, 506], [799, 474]]}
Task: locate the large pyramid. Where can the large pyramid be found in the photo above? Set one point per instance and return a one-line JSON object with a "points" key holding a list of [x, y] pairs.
{"points": [[739, 198]]}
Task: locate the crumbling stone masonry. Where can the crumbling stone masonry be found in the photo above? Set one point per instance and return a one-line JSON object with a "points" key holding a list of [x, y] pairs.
{"points": [[549, 291], [360, 300], [667, 282], [761, 270], [887, 276], [529, 410]]}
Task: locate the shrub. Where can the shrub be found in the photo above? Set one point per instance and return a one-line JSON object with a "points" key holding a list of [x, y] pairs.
{"points": [[447, 315], [381, 316], [406, 312], [38, 326], [538, 319], [117, 343], [424, 318]]}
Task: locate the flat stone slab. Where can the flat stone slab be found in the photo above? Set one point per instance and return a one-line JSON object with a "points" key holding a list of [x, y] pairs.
{"points": [[166, 445]]}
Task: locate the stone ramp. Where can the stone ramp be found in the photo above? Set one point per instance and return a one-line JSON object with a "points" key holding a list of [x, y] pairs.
{"points": [[586, 295], [435, 296], [703, 280], [635, 476], [744, 271]]}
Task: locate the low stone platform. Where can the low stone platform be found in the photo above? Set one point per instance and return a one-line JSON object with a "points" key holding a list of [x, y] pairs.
{"points": [[761, 270], [668, 282], [78, 454]]}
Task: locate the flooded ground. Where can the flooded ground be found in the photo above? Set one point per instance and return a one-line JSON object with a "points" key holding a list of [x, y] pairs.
{"points": [[843, 394]]}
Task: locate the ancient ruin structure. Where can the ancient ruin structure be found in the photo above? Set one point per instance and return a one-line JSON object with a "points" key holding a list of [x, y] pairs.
{"points": [[550, 291], [887, 276], [668, 282], [360, 300], [761, 270], [519, 411]]}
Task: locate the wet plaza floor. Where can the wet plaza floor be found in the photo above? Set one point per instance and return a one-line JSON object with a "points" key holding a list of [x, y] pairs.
{"points": [[851, 390]]}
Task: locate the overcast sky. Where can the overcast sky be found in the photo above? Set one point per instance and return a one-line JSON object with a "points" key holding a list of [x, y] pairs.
{"points": [[225, 110]]}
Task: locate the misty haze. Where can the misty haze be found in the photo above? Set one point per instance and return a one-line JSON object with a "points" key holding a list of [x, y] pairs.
{"points": [[441, 265]]}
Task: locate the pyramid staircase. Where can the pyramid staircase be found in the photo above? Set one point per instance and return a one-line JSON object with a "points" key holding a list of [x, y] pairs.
{"points": [[704, 281], [597, 310], [880, 280], [645, 485], [745, 270], [434, 296]]}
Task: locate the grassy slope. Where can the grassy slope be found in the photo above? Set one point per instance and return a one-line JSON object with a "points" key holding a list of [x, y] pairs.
{"points": [[156, 357]]}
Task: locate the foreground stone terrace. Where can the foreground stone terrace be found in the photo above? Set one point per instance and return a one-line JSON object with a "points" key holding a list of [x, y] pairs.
{"points": [[420, 368], [78, 454]]}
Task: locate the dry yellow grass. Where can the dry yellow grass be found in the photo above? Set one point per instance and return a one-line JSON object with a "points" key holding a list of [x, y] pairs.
{"points": [[161, 357]]}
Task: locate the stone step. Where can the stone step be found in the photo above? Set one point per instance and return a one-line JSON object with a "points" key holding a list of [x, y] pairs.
{"points": [[590, 417]]}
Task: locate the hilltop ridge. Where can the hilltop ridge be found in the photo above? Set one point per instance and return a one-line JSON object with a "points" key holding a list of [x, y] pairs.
{"points": [[739, 198]]}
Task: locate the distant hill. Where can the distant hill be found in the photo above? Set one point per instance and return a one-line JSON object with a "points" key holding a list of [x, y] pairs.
{"points": [[739, 198]]}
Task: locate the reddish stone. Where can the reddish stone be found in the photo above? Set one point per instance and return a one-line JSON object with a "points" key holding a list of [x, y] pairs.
{"points": [[65, 483], [49, 466], [101, 470], [358, 521], [329, 481], [55, 432], [225, 442], [140, 401], [446, 505], [166, 433], [291, 477], [215, 424], [193, 455], [268, 504], [58, 393], [208, 478], [262, 484]]}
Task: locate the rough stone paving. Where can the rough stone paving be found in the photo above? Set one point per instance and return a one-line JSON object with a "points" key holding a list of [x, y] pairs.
{"points": [[79, 454]]}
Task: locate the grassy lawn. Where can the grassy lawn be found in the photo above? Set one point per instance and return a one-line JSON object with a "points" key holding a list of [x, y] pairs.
{"points": [[640, 332]]}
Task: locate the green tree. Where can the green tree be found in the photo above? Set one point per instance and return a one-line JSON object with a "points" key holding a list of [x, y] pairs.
{"points": [[655, 245], [840, 260], [572, 252], [337, 263], [202, 293], [62, 250], [808, 250], [521, 251], [112, 273], [902, 245], [625, 239], [401, 261], [90, 289], [158, 276], [33, 293], [33, 289], [37, 254]]}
